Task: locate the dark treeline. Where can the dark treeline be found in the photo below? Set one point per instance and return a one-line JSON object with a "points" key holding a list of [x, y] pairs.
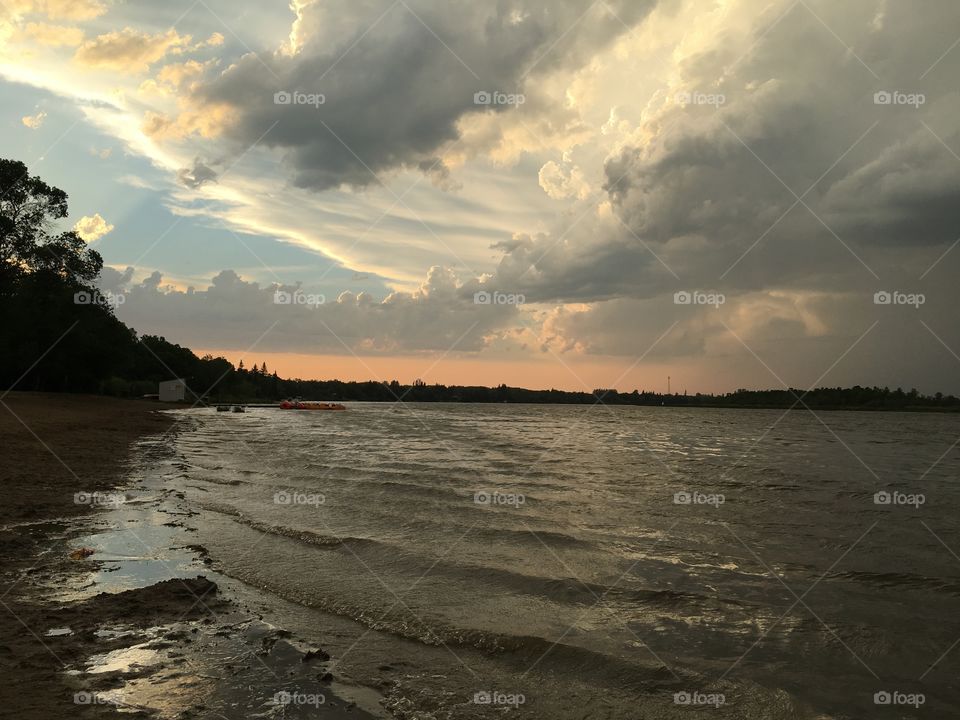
{"points": [[58, 334], [859, 398]]}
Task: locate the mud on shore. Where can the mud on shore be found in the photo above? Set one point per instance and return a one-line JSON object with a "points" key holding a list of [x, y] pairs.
{"points": [[175, 648]]}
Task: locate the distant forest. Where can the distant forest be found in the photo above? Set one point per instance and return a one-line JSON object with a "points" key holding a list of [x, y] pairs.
{"points": [[54, 338]]}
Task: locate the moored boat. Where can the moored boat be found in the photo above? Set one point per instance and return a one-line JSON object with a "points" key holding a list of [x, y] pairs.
{"points": [[297, 404]]}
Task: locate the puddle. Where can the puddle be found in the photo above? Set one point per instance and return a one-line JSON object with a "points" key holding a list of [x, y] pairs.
{"points": [[58, 632], [142, 543], [238, 670], [225, 664], [115, 633]]}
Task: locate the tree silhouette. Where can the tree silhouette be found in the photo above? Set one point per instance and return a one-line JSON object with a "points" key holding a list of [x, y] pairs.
{"points": [[28, 207]]}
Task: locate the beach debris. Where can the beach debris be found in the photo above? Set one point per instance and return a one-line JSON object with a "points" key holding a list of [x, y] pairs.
{"points": [[81, 553]]}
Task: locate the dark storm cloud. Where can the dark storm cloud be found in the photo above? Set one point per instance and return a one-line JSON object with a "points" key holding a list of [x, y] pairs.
{"points": [[396, 78], [197, 175], [706, 197], [711, 194]]}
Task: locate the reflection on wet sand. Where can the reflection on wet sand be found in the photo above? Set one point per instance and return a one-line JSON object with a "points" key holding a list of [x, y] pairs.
{"points": [[157, 638]]}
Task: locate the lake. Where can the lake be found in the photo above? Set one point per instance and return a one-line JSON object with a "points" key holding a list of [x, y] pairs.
{"points": [[572, 561]]}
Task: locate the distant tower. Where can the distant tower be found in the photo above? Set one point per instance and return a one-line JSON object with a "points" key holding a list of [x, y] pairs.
{"points": [[668, 384]]}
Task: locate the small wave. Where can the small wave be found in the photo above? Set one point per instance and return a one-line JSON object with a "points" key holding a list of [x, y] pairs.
{"points": [[564, 591], [903, 581], [639, 673], [218, 481], [306, 536]]}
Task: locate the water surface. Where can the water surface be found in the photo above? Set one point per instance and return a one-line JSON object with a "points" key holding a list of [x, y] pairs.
{"points": [[548, 546]]}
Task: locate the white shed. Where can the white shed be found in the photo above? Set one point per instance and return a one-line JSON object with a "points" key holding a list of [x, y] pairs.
{"points": [[173, 390]]}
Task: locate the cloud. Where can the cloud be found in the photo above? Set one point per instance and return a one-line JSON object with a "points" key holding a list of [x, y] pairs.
{"points": [[34, 121], [199, 174], [114, 281], [439, 174], [54, 35], [136, 182], [92, 228], [175, 79], [129, 50], [215, 40], [704, 192], [177, 75], [230, 313], [563, 181], [207, 121], [58, 9], [414, 88]]}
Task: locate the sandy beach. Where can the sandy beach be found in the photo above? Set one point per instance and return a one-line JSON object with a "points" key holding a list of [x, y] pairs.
{"points": [[173, 648], [54, 446]]}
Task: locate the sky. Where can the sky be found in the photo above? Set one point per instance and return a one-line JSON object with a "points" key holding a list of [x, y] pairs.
{"points": [[732, 194]]}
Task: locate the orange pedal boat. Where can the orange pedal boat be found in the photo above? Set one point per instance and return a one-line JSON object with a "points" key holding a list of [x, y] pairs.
{"points": [[300, 405]]}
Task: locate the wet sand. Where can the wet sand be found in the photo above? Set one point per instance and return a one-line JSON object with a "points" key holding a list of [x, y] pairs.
{"points": [[175, 648]]}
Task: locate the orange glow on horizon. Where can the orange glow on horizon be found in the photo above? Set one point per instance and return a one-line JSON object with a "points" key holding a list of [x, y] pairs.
{"points": [[575, 373]]}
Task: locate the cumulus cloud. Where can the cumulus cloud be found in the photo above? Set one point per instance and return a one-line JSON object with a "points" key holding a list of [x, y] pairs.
{"points": [[797, 199], [207, 121], [177, 75], [115, 281], [215, 40], [130, 50], [34, 121], [414, 87], [705, 190], [92, 227], [231, 313], [563, 181]]}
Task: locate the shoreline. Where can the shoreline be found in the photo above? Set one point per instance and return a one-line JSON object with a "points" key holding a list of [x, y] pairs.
{"points": [[188, 608], [78, 637], [212, 638]]}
